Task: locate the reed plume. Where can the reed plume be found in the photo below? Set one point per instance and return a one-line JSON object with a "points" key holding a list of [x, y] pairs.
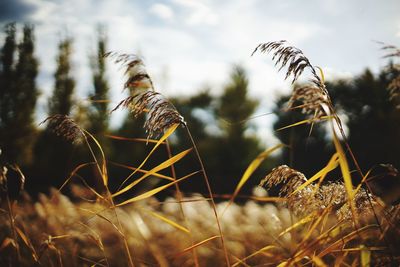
{"points": [[315, 97], [394, 85], [283, 175], [65, 127], [314, 198], [162, 114]]}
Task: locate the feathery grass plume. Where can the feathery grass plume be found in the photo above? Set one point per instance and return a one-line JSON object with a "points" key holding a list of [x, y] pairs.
{"points": [[315, 198], [394, 85], [394, 88], [162, 114], [283, 175], [394, 51], [137, 77], [315, 97], [65, 127]]}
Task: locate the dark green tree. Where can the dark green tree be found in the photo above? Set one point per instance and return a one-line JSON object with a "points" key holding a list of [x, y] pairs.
{"points": [[373, 120], [7, 80], [53, 155], [99, 114], [20, 95], [62, 99], [234, 148]]}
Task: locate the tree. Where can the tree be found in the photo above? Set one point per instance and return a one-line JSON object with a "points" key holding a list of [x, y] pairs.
{"points": [[19, 96], [61, 101], [7, 79], [99, 114], [234, 148], [53, 155], [373, 120]]}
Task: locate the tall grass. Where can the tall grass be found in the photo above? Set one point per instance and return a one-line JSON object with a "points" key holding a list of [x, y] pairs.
{"points": [[311, 223]]}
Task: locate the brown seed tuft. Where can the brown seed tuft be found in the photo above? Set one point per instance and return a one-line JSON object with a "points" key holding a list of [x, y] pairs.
{"points": [[65, 127], [314, 97], [283, 174], [161, 113]]}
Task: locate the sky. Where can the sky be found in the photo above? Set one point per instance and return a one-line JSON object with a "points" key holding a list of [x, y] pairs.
{"points": [[189, 45]]}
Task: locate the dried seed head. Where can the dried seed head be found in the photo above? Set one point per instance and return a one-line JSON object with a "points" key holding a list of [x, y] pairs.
{"points": [[313, 101], [137, 77], [393, 51], [297, 62], [283, 174], [313, 96], [65, 127], [161, 113], [362, 205], [394, 85]]}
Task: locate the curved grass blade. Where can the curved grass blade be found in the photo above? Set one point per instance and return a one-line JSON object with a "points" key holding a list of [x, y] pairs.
{"points": [[159, 175], [154, 191], [143, 140], [266, 248], [195, 246], [170, 131], [250, 170], [323, 118], [156, 169], [332, 164], [172, 223]]}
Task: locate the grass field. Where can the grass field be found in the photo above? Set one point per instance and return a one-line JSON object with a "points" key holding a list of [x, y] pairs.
{"points": [[311, 223]]}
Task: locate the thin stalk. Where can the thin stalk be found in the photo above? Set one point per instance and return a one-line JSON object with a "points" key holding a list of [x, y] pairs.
{"points": [[210, 193], [179, 198], [127, 251], [12, 224]]}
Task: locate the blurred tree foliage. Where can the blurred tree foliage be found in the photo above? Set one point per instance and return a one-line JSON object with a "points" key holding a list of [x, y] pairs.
{"points": [[372, 119], [18, 96], [99, 113], [219, 126], [53, 154]]}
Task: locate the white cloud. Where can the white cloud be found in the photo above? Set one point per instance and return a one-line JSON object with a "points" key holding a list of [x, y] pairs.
{"points": [[162, 11], [197, 12]]}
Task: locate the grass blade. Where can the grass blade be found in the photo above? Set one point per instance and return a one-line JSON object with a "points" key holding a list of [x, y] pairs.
{"points": [[250, 170], [172, 223], [170, 131], [332, 164], [156, 169], [154, 191], [195, 246]]}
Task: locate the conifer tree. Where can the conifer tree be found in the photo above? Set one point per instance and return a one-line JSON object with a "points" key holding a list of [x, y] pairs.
{"points": [[99, 113], [62, 99], [235, 149], [7, 74], [53, 155], [20, 95]]}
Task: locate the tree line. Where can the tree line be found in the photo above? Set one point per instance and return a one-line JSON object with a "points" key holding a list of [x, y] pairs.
{"points": [[219, 124]]}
